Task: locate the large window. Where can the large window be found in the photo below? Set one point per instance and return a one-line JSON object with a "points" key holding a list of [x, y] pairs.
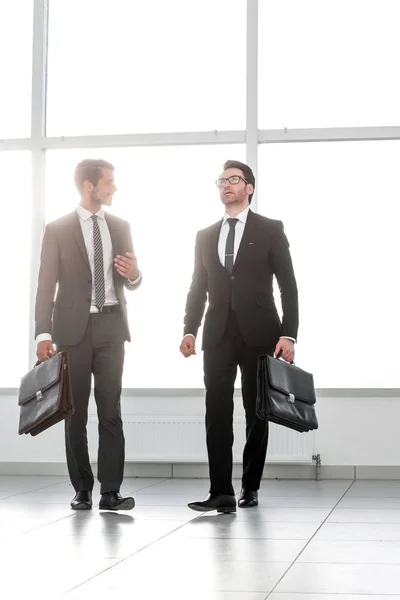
{"points": [[340, 206], [167, 195], [328, 63], [16, 28], [185, 73], [130, 66], [15, 252]]}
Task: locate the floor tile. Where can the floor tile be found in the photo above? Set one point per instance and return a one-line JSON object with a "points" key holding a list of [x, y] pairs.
{"points": [[108, 523], [50, 579], [362, 502], [316, 489], [298, 502], [144, 499], [341, 579], [218, 550], [15, 509], [365, 515], [172, 575], [359, 531], [288, 515], [374, 489], [280, 596], [27, 482], [363, 552], [101, 593], [226, 526], [307, 540]]}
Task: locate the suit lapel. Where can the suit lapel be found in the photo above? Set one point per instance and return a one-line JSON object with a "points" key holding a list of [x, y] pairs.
{"points": [[77, 232], [214, 240], [248, 232], [116, 243], [113, 234]]}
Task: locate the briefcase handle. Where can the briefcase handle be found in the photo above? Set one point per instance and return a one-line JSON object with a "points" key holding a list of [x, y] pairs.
{"points": [[38, 362], [279, 355]]}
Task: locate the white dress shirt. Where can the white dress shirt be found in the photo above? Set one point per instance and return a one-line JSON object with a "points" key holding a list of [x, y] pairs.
{"points": [[223, 235], [86, 223]]}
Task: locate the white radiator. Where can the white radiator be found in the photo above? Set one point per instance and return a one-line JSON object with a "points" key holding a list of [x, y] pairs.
{"points": [[182, 439]]}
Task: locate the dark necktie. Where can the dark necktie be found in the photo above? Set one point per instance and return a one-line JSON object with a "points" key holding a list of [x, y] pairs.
{"points": [[230, 245], [99, 285]]}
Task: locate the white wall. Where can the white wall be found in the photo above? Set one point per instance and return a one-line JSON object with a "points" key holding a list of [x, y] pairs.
{"points": [[353, 430]]}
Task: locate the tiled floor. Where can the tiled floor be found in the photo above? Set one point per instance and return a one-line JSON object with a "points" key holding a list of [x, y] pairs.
{"points": [[308, 540]]}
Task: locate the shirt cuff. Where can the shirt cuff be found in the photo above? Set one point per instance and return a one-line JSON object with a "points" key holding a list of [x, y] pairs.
{"points": [[135, 281], [191, 334], [43, 337], [286, 337]]}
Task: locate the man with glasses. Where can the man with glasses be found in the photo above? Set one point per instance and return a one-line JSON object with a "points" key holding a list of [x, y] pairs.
{"points": [[235, 261]]}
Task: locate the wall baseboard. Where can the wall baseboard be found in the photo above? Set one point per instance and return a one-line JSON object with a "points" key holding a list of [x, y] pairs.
{"points": [[200, 471], [380, 472]]}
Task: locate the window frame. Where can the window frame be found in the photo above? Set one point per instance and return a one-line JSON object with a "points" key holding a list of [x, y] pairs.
{"points": [[38, 142]]}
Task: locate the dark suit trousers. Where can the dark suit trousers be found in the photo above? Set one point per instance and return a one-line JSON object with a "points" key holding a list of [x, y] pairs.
{"points": [[220, 370], [101, 353]]}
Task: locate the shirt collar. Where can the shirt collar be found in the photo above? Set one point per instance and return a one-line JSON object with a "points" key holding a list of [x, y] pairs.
{"points": [[85, 215], [242, 216]]}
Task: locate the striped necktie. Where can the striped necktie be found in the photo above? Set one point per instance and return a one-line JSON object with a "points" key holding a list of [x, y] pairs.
{"points": [[99, 284]]}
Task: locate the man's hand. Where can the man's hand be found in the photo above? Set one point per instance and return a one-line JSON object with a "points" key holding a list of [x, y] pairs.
{"points": [[285, 349], [127, 266], [188, 346], [45, 350]]}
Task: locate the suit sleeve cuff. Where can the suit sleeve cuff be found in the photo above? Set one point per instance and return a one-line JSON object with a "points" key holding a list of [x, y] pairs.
{"points": [[135, 282]]}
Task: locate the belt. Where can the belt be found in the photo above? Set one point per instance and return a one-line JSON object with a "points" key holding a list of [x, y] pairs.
{"points": [[108, 309]]}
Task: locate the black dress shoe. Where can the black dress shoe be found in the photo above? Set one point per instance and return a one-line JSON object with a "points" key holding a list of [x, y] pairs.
{"points": [[222, 503], [248, 498], [114, 501], [82, 500]]}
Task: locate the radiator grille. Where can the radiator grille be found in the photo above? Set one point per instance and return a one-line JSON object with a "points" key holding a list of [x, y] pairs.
{"points": [[182, 439]]}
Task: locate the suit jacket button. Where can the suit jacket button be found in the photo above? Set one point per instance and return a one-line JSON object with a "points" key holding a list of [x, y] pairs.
{"points": [[232, 277]]}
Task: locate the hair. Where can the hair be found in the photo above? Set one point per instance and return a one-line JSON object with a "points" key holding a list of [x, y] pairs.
{"points": [[90, 169], [247, 172]]}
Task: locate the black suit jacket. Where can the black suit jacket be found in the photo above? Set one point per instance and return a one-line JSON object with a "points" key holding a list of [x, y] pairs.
{"points": [[65, 263], [263, 253]]}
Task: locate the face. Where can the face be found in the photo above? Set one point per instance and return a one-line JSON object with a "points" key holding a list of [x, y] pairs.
{"points": [[103, 192], [234, 193]]}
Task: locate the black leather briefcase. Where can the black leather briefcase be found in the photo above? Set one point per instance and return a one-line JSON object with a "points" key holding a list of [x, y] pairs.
{"points": [[285, 394], [45, 395]]}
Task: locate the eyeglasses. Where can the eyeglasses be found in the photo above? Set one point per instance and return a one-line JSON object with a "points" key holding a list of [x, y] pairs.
{"points": [[233, 180]]}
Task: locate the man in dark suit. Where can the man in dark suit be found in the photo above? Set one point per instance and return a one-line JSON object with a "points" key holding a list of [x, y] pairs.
{"points": [[235, 261], [88, 256]]}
